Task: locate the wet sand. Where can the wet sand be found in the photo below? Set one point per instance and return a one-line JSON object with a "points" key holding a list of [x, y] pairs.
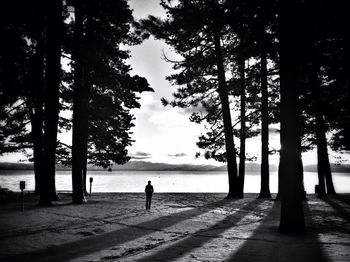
{"points": [[179, 227]]}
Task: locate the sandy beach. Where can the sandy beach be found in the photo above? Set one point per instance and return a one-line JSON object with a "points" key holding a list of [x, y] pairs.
{"points": [[179, 227]]}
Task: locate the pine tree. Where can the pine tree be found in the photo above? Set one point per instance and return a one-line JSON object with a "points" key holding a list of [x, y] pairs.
{"points": [[22, 81], [104, 91], [196, 33]]}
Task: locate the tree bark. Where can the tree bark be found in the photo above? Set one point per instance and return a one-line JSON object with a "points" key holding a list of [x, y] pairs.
{"points": [[88, 88], [37, 122], [52, 84], [323, 165], [265, 176], [79, 109], [241, 172], [225, 107], [313, 70], [292, 215], [328, 172], [38, 89], [320, 134], [36, 135], [85, 185], [264, 169]]}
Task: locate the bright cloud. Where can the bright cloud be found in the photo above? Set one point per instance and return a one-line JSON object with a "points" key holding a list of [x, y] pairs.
{"points": [[140, 155]]}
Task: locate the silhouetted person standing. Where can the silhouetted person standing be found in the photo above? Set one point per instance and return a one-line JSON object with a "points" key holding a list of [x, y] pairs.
{"points": [[149, 192]]}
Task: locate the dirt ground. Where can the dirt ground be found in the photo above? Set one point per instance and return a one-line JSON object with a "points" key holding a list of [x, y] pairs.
{"points": [[179, 227]]}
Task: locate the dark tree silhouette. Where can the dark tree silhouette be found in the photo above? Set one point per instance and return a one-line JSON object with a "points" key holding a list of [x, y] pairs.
{"points": [[52, 105], [242, 151], [263, 44], [264, 187], [336, 63], [292, 216], [28, 22], [80, 105], [315, 91], [104, 91], [225, 106], [323, 165], [12, 81]]}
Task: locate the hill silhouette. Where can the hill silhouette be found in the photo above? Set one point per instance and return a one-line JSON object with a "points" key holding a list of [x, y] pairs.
{"points": [[150, 166]]}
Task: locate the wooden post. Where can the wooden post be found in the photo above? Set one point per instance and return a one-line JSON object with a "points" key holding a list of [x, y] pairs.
{"points": [[91, 179], [22, 186]]}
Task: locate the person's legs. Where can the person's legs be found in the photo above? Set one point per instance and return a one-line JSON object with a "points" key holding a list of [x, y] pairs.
{"points": [[149, 202]]}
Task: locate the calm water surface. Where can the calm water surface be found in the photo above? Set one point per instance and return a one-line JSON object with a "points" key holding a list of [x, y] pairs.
{"points": [[164, 181]]}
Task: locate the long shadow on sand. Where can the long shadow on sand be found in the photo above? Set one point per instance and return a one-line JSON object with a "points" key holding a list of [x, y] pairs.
{"points": [[339, 208], [266, 244], [200, 237], [345, 198], [31, 203], [96, 243]]}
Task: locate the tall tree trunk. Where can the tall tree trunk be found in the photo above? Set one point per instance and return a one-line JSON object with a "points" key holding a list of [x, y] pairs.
{"points": [[36, 136], [35, 102], [328, 172], [320, 134], [39, 83], [225, 107], [281, 167], [85, 186], [241, 171], [264, 170], [52, 84], [88, 88], [265, 176], [323, 166], [79, 109], [292, 215], [84, 134], [37, 123]]}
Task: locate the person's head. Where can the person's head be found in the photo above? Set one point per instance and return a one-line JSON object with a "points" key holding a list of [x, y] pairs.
{"points": [[149, 182]]}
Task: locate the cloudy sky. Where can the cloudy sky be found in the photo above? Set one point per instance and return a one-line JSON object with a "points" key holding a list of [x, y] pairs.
{"points": [[162, 134], [165, 134]]}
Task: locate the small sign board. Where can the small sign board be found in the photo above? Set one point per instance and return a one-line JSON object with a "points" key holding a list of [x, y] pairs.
{"points": [[22, 185]]}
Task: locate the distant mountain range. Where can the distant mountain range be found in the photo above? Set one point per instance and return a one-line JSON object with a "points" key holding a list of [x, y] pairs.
{"points": [[255, 167], [149, 166]]}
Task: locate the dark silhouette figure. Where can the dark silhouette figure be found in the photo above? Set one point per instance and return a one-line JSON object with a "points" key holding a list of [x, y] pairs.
{"points": [[149, 192]]}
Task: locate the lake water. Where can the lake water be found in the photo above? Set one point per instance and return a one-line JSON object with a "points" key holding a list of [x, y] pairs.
{"points": [[164, 181]]}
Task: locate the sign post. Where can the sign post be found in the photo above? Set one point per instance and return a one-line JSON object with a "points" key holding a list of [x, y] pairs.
{"points": [[22, 186], [91, 179]]}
